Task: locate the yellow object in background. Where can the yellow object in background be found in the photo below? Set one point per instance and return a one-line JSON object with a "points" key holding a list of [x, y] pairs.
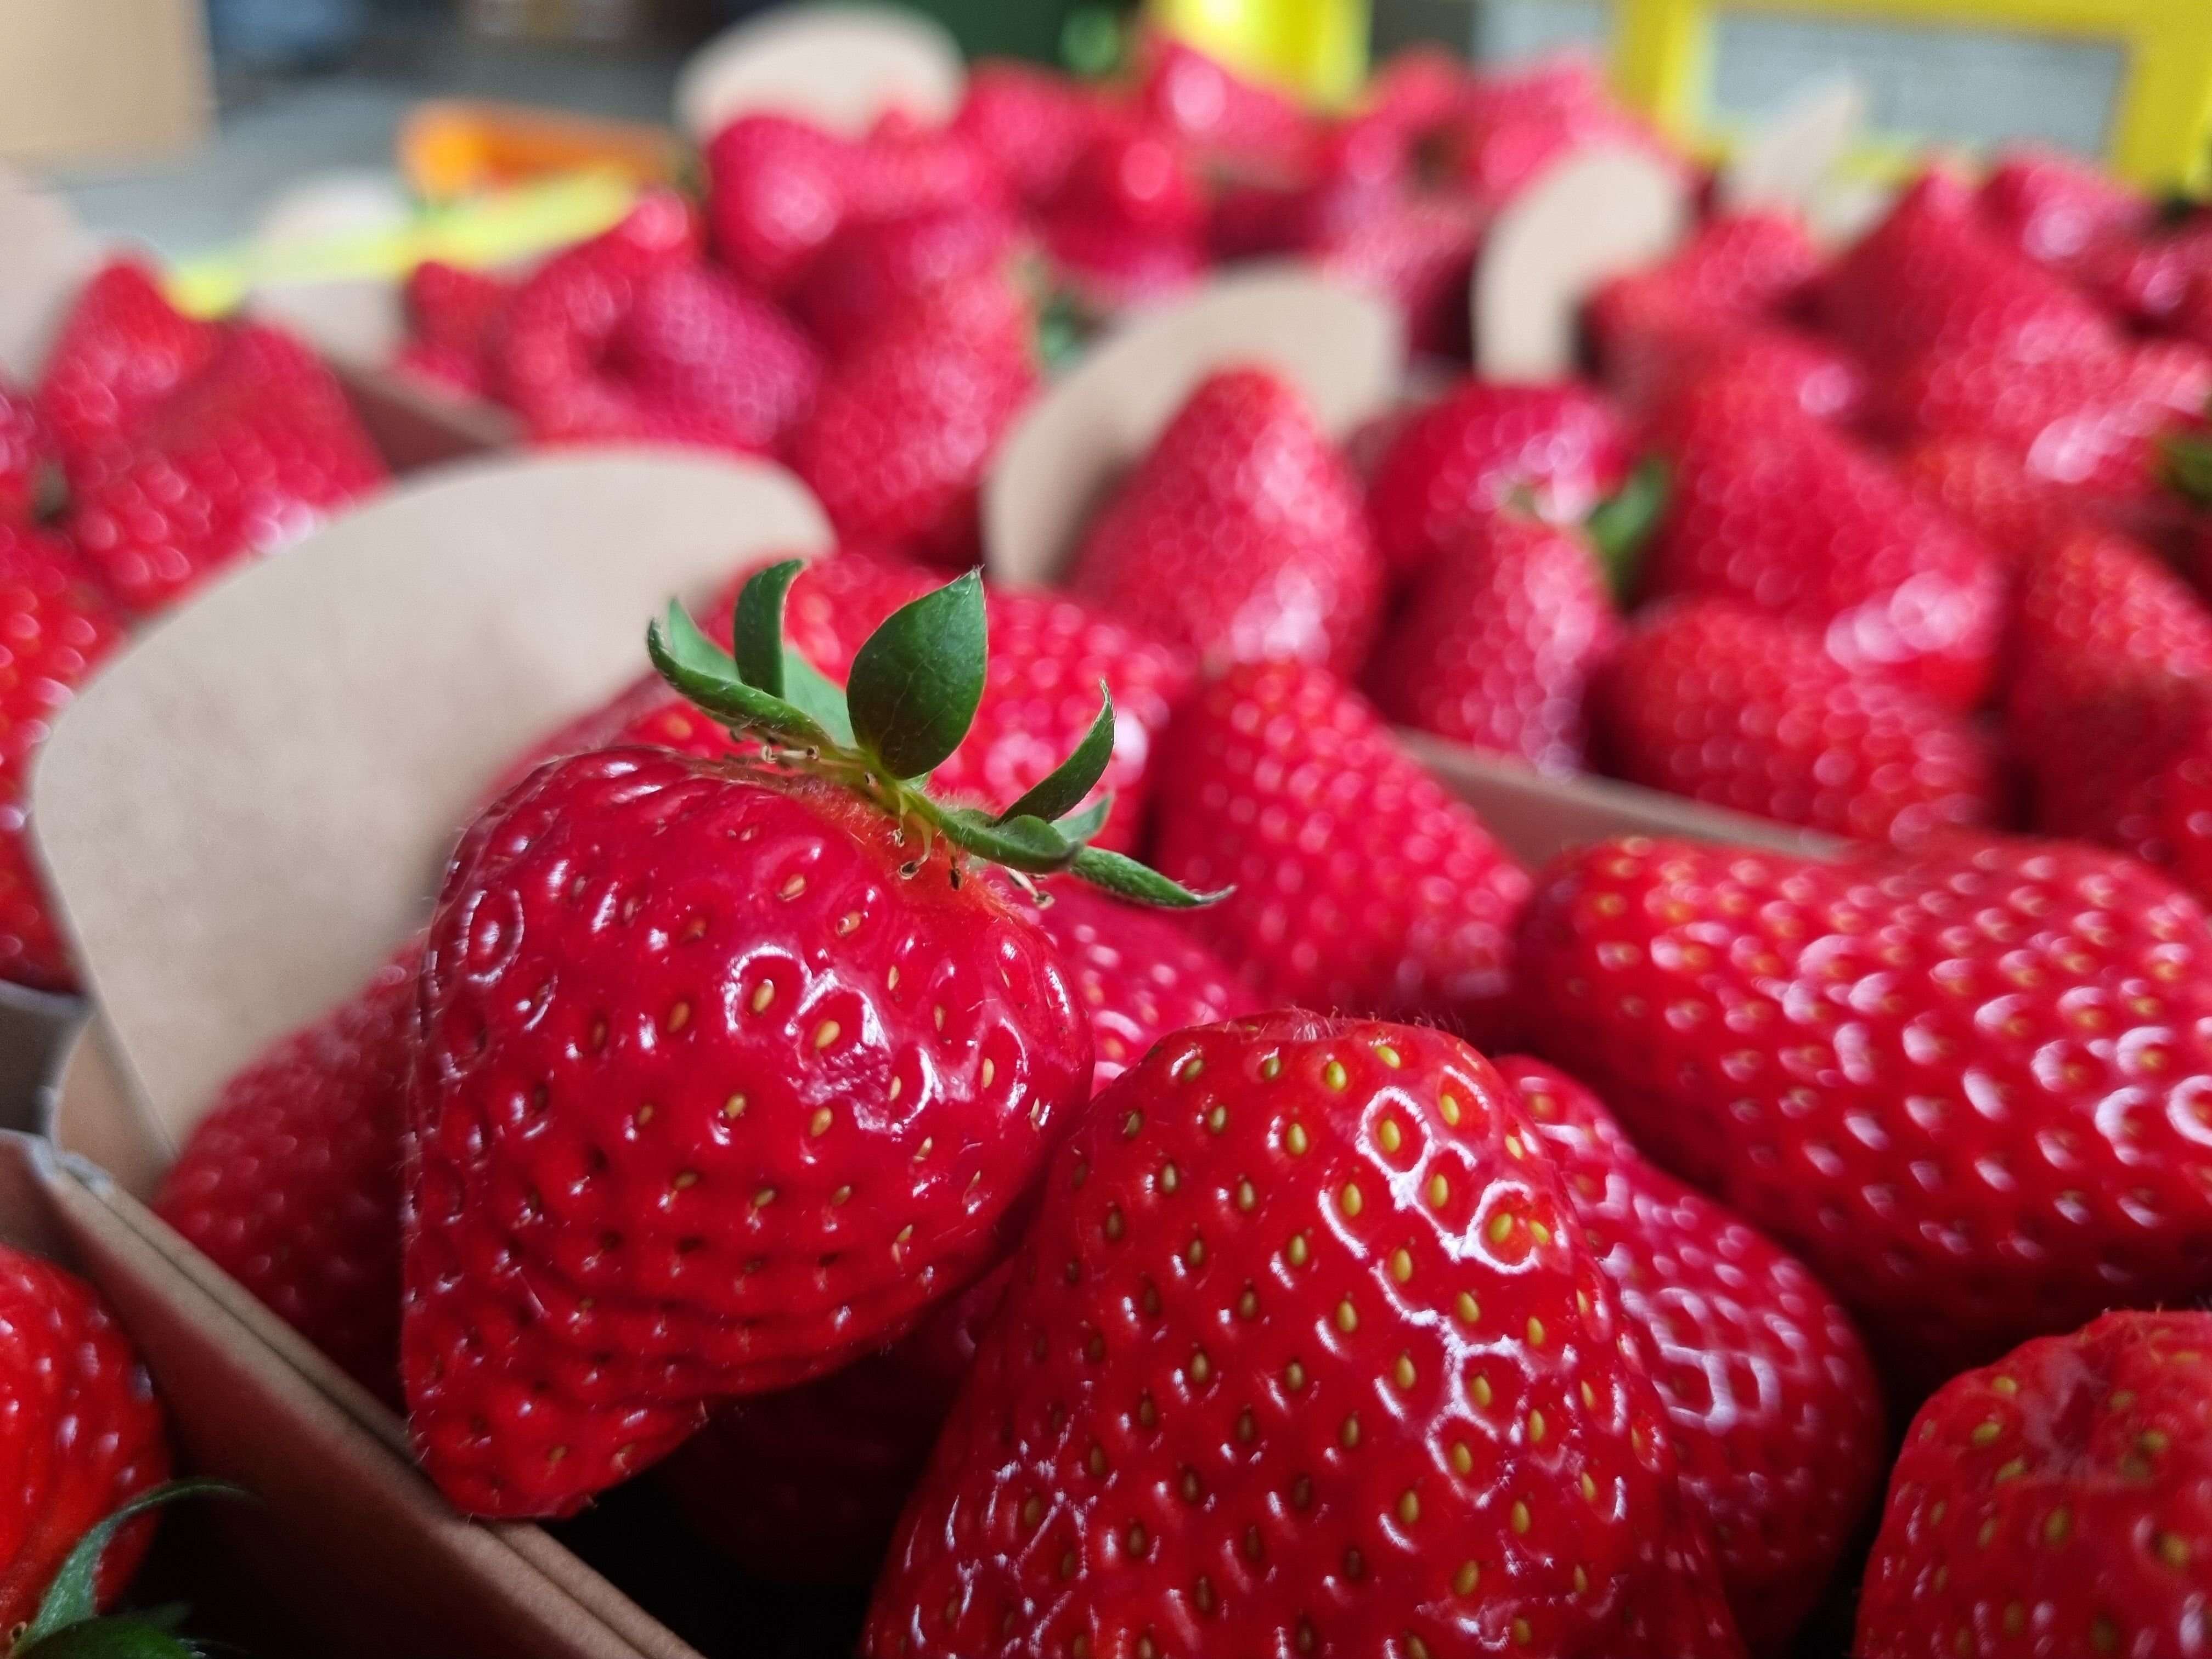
{"points": [[2160, 130], [1316, 49]]}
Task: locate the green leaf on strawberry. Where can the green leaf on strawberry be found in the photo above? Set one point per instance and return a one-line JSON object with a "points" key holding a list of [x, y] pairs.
{"points": [[918, 680], [67, 1626], [1061, 790]]}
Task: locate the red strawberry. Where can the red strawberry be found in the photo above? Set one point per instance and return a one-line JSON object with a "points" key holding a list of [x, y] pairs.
{"points": [[457, 312], [1032, 122], [2057, 1501], [1772, 508], [1224, 118], [726, 1072], [1714, 700], [255, 451], [1304, 1352], [902, 168], [123, 349], [1356, 171], [904, 428], [710, 362], [2055, 208], [777, 194], [803, 1485], [2157, 277], [1481, 445], [1418, 255], [1359, 885], [1777, 1420], [1497, 640], [1418, 90], [1980, 484], [29, 479], [53, 630], [83, 1433], [290, 1183], [1240, 536], [868, 271], [1129, 223], [1965, 1087], [1512, 127], [441, 369]]}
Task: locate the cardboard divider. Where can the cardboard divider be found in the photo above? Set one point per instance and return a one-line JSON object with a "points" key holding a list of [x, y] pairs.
{"points": [[840, 66], [1344, 351], [1785, 165]]}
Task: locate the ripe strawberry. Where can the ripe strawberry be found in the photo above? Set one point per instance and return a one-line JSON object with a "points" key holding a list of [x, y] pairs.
{"points": [[870, 270], [1222, 117], [2156, 278], [54, 629], [1354, 171], [1031, 123], [1777, 509], [123, 349], [726, 1072], [83, 1433], [1979, 482], [454, 316], [2056, 209], [290, 1183], [2057, 1501], [1240, 536], [1129, 223], [1359, 885], [803, 1485], [1304, 1352], [707, 362], [1967, 1087], [1417, 90], [252, 453], [904, 428], [1418, 255], [1478, 446], [30, 481], [1497, 640], [902, 168], [1511, 127], [1777, 1420], [1715, 700], [776, 194]]}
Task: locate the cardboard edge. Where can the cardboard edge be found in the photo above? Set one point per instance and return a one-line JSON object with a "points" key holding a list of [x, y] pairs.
{"points": [[1783, 165], [36, 1027], [839, 65], [1344, 350], [1599, 212], [48, 253]]}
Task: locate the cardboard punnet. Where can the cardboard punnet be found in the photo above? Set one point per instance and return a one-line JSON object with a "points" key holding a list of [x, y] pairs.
{"points": [[103, 80], [837, 65]]}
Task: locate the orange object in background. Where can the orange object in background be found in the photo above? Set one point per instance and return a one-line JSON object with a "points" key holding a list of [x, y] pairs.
{"points": [[455, 147]]}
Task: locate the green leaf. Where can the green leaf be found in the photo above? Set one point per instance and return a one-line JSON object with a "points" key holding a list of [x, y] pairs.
{"points": [[1622, 522], [113, 1639], [1127, 878], [758, 629], [1087, 823], [1067, 784], [2188, 466], [1027, 844], [72, 1598], [817, 697], [916, 683], [705, 674]]}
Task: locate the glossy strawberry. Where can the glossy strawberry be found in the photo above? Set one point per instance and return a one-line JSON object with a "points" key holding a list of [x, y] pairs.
{"points": [[1511, 127], [1359, 885], [1979, 482], [776, 194], [1304, 1351], [1032, 122], [1712, 700], [30, 479], [803, 1485], [1965, 1087], [454, 316], [2057, 1501], [1774, 508], [707, 361], [728, 1073], [1775, 1415], [1222, 117], [80, 1434], [1240, 536], [870, 272], [1497, 640], [123, 349], [290, 1182], [1128, 225], [256, 450], [1418, 256], [1564, 448], [2058, 209]]}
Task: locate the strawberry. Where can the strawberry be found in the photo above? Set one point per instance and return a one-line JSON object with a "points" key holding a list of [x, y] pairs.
{"points": [[1358, 884], [82, 1435], [454, 316], [1418, 255], [1775, 1416], [1417, 90], [1128, 225], [30, 481], [2056, 209], [1712, 700], [2156, 278], [803, 1485], [250, 455], [123, 349], [1497, 639], [1564, 448], [726, 1072], [869, 270], [1964, 1086], [2059, 1500], [290, 1183], [1031, 123], [709, 362], [54, 630], [1225, 119], [1979, 482], [1304, 1353], [1240, 535], [902, 168], [1354, 171], [777, 194], [904, 428], [1511, 127], [1777, 509]]}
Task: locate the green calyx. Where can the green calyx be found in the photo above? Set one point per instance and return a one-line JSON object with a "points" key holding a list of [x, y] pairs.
{"points": [[913, 693], [67, 1626], [1620, 525], [2187, 462]]}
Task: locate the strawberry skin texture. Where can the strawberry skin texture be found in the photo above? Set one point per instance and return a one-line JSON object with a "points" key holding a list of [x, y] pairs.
{"points": [[1967, 1088], [27, 457], [458, 314], [123, 349], [1033, 124], [1304, 1353], [1240, 536], [2055, 208], [1774, 508], [870, 270], [1360, 884], [1418, 256], [1474, 448], [710, 1098], [2059, 1501], [1227, 120], [803, 1485], [1498, 640], [710, 362], [1776, 1412], [1711, 699], [1978, 482], [290, 1183], [83, 1432]]}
